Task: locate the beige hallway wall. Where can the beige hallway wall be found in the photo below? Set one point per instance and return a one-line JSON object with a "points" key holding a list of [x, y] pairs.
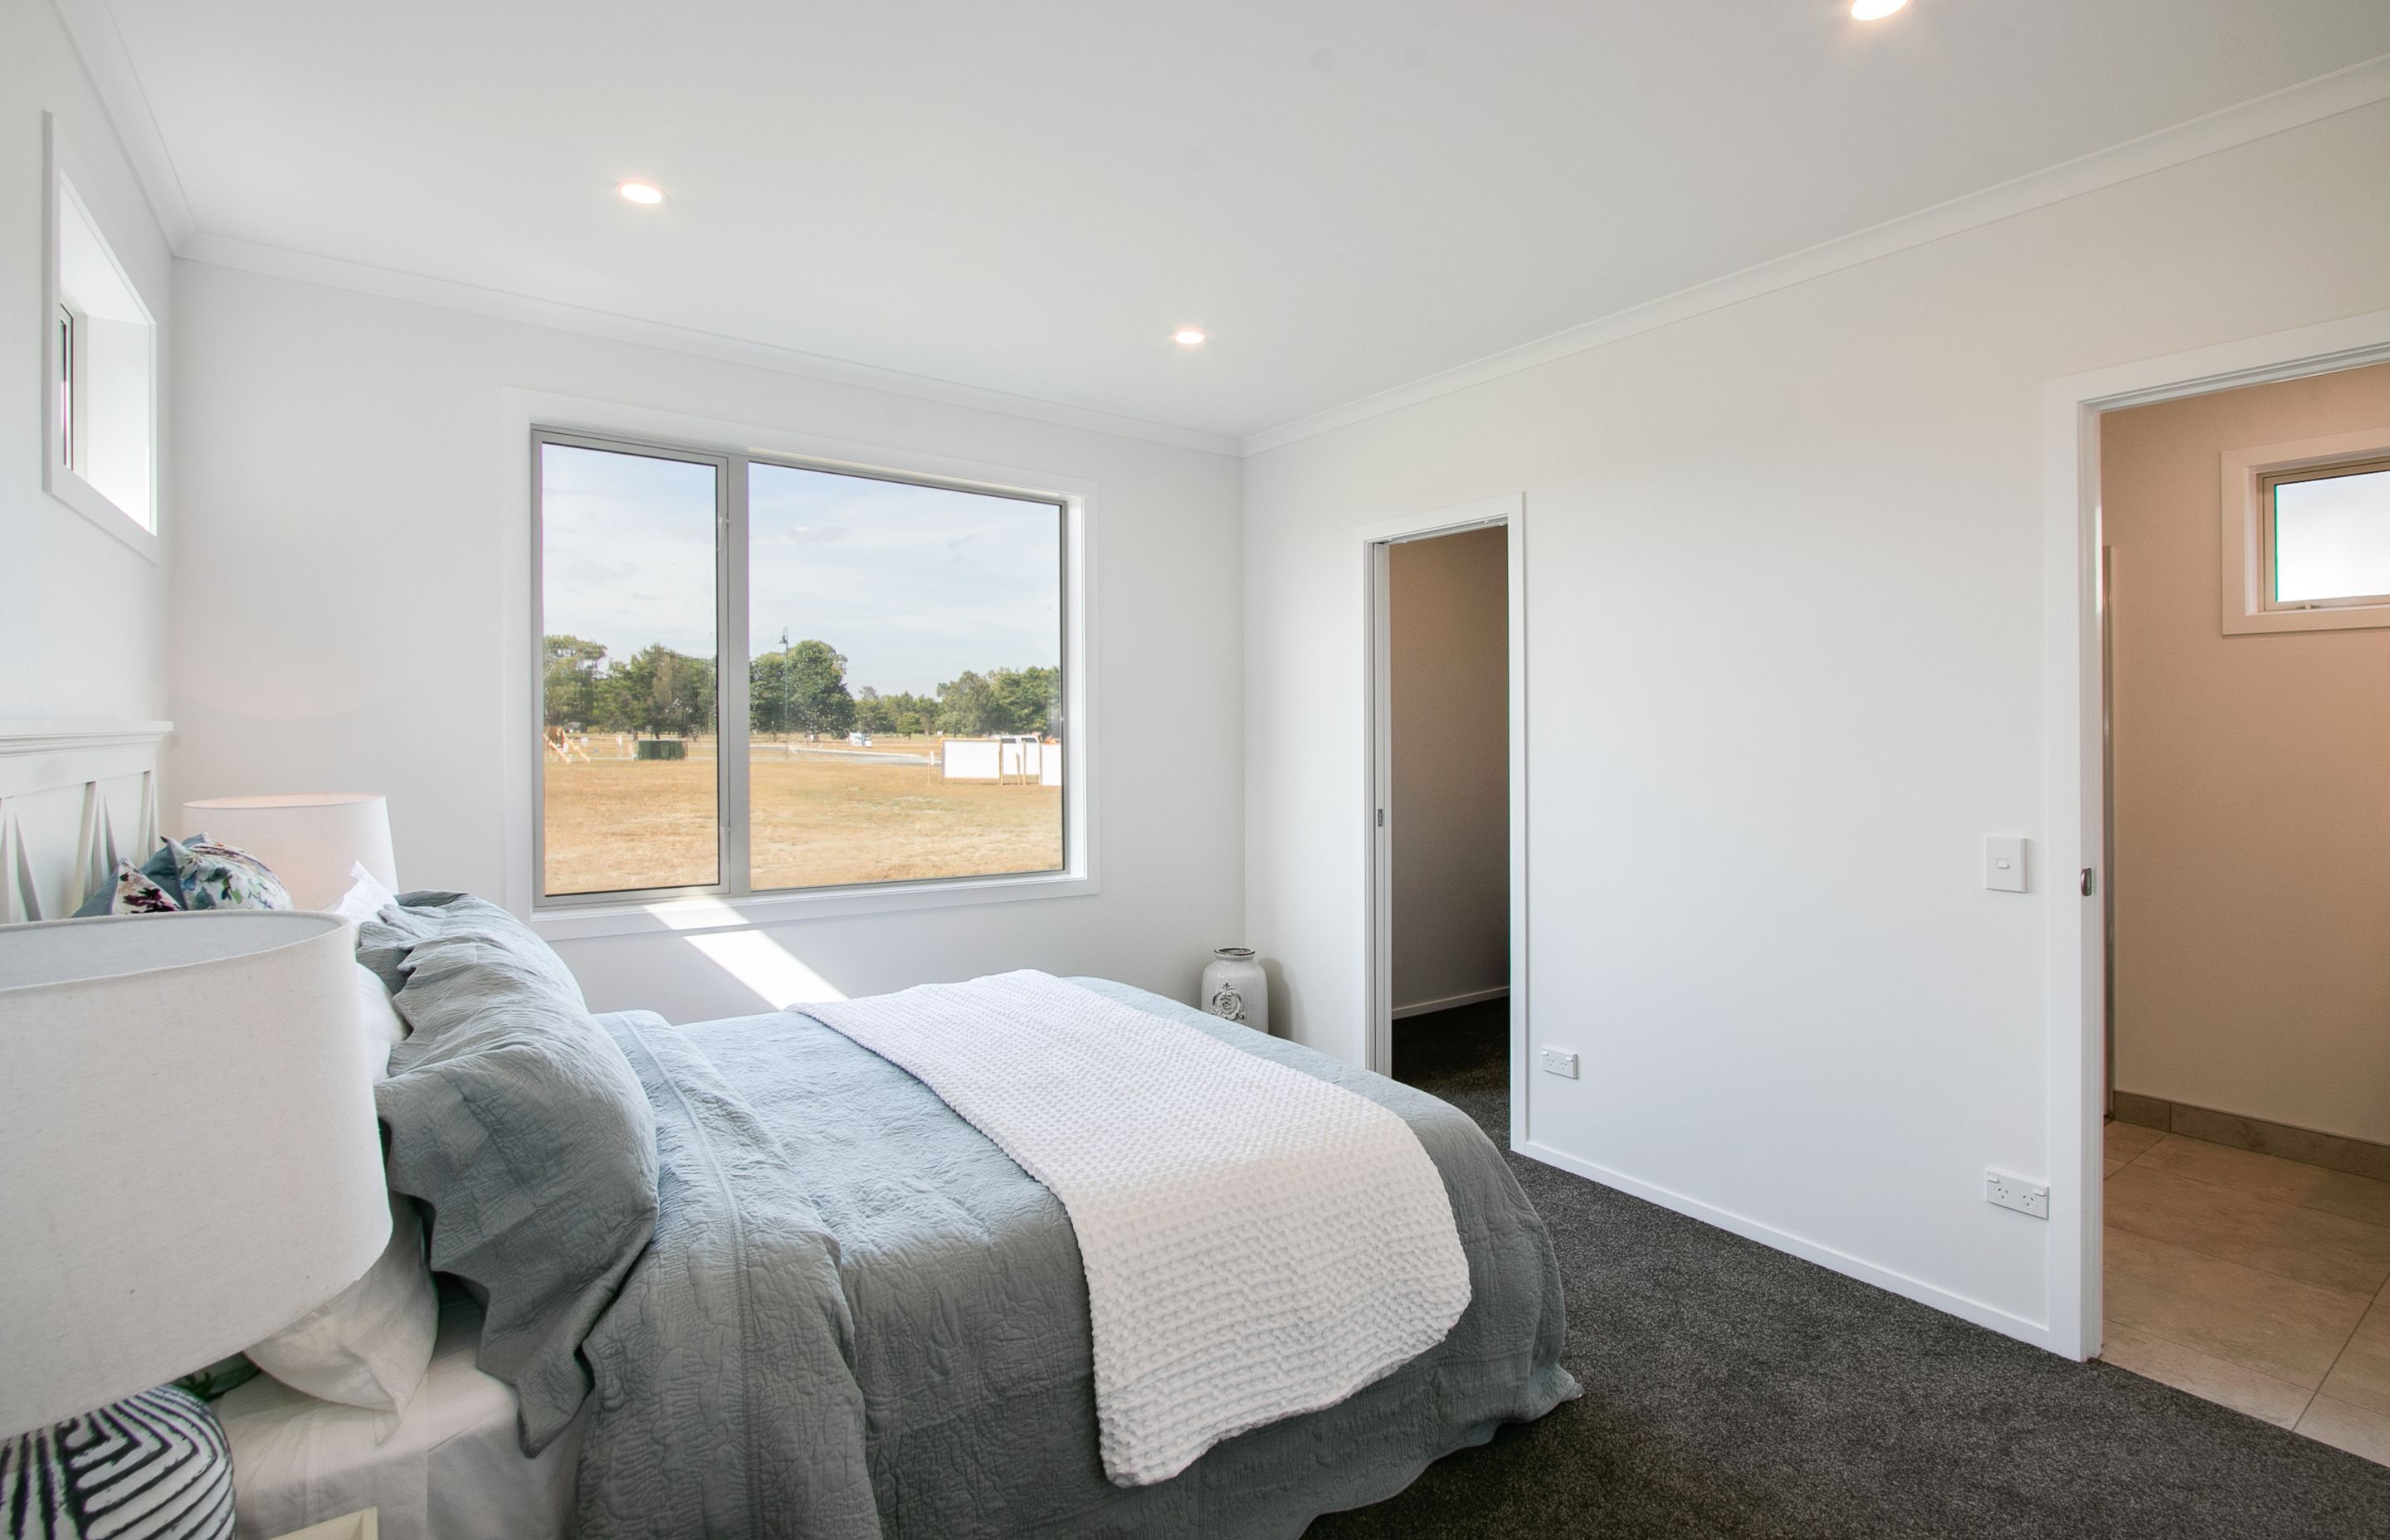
{"points": [[1448, 609], [2251, 874]]}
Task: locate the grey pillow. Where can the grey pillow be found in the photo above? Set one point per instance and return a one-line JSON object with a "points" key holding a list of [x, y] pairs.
{"points": [[384, 941], [514, 1118]]}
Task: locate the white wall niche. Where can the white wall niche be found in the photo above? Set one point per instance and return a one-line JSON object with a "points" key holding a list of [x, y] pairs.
{"points": [[99, 401]]}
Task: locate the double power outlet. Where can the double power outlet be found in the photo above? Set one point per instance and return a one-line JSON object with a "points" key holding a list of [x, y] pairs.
{"points": [[2017, 1192]]}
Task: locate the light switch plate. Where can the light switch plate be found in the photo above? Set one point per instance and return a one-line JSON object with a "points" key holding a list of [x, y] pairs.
{"points": [[2004, 863]]}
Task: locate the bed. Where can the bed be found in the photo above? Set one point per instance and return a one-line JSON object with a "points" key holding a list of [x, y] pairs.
{"points": [[855, 1315], [451, 1467]]}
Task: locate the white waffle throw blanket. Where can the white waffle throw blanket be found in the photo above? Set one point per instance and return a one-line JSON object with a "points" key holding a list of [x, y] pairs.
{"points": [[1258, 1242]]}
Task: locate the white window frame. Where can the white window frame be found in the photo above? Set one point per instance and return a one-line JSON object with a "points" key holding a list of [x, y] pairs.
{"points": [[64, 450], [532, 416], [2245, 496]]}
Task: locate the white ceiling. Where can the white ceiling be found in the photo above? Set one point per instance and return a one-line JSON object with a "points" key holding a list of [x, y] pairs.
{"points": [[1029, 196]]}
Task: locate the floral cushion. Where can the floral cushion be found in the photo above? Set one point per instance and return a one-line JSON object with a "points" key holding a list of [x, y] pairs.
{"points": [[220, 876], [134, 892], [193, 874], [148, 889]]}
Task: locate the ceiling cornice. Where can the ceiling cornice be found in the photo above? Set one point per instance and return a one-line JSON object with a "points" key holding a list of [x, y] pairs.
{"points": [[93, 26], [504, 304], [2261, 117]]}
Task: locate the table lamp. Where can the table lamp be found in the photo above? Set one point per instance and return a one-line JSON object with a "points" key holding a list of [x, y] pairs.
{"points": [[189, 1162], [307, 838]]}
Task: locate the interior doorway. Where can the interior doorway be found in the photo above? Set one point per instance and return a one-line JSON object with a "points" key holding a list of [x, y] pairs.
{"points": [[1446, 799], [2246, 1193], [2071, 856], [1447, 804]]}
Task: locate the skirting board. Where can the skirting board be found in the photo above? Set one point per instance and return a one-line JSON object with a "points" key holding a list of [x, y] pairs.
{"points": [[1990, 1318], [1453, 1002], [2333, 1152]]}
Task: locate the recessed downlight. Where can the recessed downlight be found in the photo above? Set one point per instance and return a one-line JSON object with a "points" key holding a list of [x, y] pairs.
{"points": [[646, 194], [1188, 337], [1875, 10]]}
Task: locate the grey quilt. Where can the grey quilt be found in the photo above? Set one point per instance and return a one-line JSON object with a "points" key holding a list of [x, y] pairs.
{"points": [[858, 1317]]}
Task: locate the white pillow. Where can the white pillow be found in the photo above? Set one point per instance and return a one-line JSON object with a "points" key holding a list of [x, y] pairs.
{"points": [[384, 1031], [370, 1344], [365, 898]]}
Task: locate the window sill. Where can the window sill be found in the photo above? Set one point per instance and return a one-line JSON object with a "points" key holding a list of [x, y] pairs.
{"points": [[2330, 617], [81, 496], [701, 913]]}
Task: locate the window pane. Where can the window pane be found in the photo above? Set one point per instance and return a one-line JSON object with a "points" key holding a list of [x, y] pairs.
{"points": [[2331, 537], [905, 681], [627, 587], [65, 383]]}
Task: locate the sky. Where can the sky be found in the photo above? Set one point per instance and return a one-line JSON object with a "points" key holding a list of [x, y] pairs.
{"points": [[913, 584], [2331, 537]]}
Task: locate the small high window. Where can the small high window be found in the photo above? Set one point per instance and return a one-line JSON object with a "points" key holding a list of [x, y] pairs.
{"points": [[2329, 542], [2306, 534], [100, 419]]}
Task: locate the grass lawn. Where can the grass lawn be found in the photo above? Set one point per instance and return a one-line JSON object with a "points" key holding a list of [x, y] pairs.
{"points": [[819, 819]]}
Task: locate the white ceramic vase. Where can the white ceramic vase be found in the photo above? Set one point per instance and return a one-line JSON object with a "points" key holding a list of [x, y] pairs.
{"points": [[1235, 989]]}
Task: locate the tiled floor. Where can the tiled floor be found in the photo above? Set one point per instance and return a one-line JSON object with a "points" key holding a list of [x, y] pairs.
{"points": [[2252, 1280]]}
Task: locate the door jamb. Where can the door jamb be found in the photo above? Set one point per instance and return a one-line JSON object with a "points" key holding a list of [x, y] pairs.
{"points": [[2076, 766], [1377, 986]]}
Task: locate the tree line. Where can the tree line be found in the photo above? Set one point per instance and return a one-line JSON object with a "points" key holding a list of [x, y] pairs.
{"points": [[799, 688]]}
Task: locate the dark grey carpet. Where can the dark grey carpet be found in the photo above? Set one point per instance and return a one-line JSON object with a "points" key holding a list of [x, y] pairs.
{"points": [[1731, 1389]]}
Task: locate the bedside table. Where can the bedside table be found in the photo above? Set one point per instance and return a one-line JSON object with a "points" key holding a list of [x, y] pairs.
{"points": [[364, 1525]]}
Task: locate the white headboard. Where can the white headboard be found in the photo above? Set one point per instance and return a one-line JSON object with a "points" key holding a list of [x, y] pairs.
{"points": [[75, 797]]}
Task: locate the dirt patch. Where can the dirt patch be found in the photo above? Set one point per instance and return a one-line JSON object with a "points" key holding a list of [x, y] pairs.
{"points": [[616, 823]]}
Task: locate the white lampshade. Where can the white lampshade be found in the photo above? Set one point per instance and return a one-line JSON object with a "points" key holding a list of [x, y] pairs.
{"points": [[189, 1156], [308, 838]]}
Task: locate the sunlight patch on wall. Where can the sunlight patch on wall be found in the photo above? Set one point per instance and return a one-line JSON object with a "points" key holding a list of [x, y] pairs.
{"points": [[779, 977]]}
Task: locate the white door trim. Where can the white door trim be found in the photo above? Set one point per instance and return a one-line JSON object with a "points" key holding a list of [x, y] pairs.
{"points": [[2077, 949], [1377, 984]]}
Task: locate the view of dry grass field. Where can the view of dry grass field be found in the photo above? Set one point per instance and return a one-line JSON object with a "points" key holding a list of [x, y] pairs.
{"points": [[822, 817]]}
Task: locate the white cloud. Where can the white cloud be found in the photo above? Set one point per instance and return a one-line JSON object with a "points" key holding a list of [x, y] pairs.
{"points": [[913, 584]]}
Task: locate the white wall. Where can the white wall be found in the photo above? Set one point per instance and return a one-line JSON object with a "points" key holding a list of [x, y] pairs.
{"points": [[82, 623], [338, 604], [1448, 624], [2253, 790], [1785, 671]]}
